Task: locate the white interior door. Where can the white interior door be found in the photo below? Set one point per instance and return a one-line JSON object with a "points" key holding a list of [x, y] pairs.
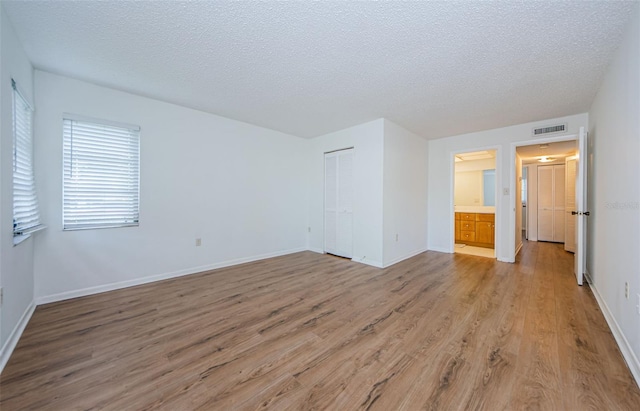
{"points": [[330, 202], [545, 203], [581, 207], [345, 204], [551, 203], [558, 202], [570, 205], [338, 203]]}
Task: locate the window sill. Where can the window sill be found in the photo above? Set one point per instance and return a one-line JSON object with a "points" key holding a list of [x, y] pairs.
{"points": [[17, 239]]}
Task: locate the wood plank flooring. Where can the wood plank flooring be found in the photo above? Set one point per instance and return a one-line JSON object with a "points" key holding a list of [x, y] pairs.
{"points": [[313, 332]]}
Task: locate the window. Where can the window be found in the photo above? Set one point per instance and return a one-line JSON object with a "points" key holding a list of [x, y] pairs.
{"points": [[101, 174], [26, 218]]}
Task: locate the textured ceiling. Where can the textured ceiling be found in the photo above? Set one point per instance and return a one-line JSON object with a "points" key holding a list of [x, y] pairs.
{"points": [[309, 68]]}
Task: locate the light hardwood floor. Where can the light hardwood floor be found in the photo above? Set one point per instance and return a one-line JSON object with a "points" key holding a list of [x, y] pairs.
{"points": [[310, 331]]}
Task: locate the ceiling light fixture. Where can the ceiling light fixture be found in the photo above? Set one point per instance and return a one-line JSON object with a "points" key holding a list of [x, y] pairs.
{"points": [[545, 159]]}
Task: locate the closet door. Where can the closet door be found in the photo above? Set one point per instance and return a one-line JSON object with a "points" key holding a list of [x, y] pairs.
{"points": [[558, 203], [551, 203], [345, 204], [330, 202], [339, 203], [545, 203]]}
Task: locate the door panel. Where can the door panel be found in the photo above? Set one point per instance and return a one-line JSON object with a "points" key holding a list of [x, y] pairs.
{"points": [[330, 202], [581, 202], [551, 203], [558, 203], [570, 205], [345, 204], [545, 203], [338, 198]]}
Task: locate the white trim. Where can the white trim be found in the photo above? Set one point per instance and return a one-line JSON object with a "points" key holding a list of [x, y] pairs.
{"points": [[518, 248], [18, 89], [587, 276], [316, 250], [627, 352], [15, 335], [159, 277], [363, 260], [440, 250], [406, 257], [85, 119]]}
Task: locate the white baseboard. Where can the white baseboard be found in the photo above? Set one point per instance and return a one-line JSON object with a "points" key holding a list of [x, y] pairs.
{"points": [[518, 248], [316, 250], [14, 337], [587, 277], [623, 344], [406, 257], [145, 280], [365, 260], [440, 250]]}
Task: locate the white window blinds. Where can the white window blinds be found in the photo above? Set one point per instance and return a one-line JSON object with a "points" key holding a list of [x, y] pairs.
{"points": [[26, 218], [101, 174]]}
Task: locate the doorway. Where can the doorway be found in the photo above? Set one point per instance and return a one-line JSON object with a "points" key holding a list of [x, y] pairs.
{"points": [[547, 196], [568, 153], [474, 203]]}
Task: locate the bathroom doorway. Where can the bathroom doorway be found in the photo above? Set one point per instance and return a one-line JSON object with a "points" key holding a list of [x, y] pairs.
{"points": [[475, 203]]}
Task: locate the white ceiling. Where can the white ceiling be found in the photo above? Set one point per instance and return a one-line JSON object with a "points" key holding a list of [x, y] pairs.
{"points": [[476, 155], [557, 151], [308, 68]]}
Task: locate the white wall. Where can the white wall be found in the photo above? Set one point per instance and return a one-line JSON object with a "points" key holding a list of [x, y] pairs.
{"points": [[475, 165], [367, 140], [469, 181], [440, 183], [16, 263], [614, 194], [405, 194], [468, 188], [238, 187]]}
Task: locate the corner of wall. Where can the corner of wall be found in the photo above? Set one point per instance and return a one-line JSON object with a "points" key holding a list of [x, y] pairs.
{"points": [[12, 341]]}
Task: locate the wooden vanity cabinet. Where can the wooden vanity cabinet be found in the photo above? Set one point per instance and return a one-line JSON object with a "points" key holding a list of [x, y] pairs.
{"points": [[476, 229]]}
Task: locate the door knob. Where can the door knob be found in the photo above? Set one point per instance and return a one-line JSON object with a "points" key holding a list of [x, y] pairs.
{"points": [[574, 213], [587, 213]]}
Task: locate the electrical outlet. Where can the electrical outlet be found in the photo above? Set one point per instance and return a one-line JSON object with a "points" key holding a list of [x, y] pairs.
{"points": [[309, 229], [626, 290], [638, 306], [1, 295], [198, 242], [396, 237]]}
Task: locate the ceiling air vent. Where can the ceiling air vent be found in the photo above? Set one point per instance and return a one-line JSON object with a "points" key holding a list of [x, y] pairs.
{"points": [[560, 128]]}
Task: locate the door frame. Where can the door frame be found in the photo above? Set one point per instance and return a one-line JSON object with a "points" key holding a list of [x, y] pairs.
{"points": [[452, 187], [512, 181]]}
